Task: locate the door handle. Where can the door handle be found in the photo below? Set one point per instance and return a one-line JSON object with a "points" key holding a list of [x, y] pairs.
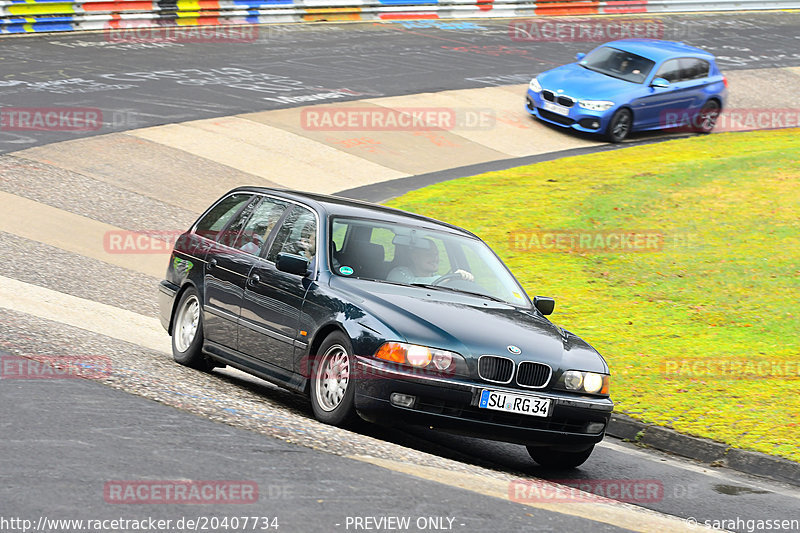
{"points": [[255, 279], [212, 263]]}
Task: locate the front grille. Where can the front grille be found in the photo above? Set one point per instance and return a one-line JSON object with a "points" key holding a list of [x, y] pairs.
{"points": [[496, 369], [530, 374], [566, 101], [547, 115], [560, 99]]}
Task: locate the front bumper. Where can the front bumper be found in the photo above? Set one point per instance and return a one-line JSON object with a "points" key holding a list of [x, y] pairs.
{"points": [[450, 404], [579, 119]]}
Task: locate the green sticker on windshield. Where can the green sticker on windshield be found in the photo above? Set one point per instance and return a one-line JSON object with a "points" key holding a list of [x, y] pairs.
{"points": [[345, 271]]}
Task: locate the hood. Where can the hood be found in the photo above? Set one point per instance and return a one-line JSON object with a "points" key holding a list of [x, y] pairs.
{"points": [[584, 84], [471, 326]]}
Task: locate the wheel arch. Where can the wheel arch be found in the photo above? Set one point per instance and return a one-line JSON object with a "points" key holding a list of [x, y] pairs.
{"points": [[716, 99], [178, 295], [319, 337]]}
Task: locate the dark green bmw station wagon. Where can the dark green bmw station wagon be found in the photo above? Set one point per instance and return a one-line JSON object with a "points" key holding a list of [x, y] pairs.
{"points": [[382, 314]]}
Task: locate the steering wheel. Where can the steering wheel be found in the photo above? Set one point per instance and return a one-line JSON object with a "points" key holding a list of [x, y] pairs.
{"points": [[446, 277]]}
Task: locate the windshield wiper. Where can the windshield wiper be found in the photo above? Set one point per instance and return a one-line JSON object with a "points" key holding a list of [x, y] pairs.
{"points": [[453, 289]]}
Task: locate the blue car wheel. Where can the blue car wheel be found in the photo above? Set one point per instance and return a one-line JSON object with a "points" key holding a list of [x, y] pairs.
{"points": [[706, 118], [619, 126]]}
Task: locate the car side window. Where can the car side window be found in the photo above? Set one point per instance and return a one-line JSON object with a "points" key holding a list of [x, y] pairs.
{"points": [[297, 235], [384, 237], [259, 226], [670, 71], [218, 216], [694, 68], [229, 236]]}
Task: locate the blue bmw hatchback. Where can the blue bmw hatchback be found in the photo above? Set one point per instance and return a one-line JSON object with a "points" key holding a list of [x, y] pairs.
{"points": [[631, 85]]}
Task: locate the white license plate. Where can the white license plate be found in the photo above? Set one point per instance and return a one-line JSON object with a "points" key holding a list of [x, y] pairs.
{"points": [[555, 108], [514, 403]]}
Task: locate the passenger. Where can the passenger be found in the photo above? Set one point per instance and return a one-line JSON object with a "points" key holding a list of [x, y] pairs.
{"points": [[254, 244], [306, 245]]}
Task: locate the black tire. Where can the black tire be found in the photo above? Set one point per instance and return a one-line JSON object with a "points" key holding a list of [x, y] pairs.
{"points": [[332, 390], [187, 332], [706, 118], [558, 460], [619, 126]]}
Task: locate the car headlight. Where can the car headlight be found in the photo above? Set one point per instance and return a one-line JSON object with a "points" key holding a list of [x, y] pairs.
{"points": [[589, 382], [573, 379], [592, 383], [534, 86], [596, 105], [422, 357]]}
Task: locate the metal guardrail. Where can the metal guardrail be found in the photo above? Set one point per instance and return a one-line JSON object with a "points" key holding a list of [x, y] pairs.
{"points": [[24, 16]]}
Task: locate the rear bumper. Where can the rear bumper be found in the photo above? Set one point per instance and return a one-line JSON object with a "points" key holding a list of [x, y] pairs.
{"points": [[166, 302], [451, 405]]}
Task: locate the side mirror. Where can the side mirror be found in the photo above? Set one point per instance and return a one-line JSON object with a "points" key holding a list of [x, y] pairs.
{"points": [[579, 56], [293, 264], [544, 304], [660, 83]]}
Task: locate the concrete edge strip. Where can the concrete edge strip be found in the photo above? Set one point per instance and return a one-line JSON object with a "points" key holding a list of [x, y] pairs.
{"points": [[611, 512], [81, 235], [85, 314]]}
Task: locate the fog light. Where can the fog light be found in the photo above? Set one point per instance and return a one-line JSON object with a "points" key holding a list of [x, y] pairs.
{"points": [[402, 400], [595, 427], [595, 125]]}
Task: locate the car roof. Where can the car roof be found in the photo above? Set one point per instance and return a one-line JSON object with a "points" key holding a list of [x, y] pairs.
{"points": [[658, 50], [347, 207]]}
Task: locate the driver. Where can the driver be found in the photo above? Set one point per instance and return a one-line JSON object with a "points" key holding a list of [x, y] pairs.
{"points": [[424, 265]]}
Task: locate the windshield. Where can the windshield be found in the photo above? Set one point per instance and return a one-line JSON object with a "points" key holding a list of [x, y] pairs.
{"points": [[618, 64], [408, 255]]}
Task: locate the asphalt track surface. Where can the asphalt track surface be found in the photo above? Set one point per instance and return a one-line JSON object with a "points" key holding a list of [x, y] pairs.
{"points": [[104, 434]]}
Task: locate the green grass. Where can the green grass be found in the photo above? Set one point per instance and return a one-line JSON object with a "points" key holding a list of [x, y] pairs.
{"points": [[725, 286]]}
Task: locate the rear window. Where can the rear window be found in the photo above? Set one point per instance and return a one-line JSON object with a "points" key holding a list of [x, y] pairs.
{"points": [[694, 68], [218, 216]]}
